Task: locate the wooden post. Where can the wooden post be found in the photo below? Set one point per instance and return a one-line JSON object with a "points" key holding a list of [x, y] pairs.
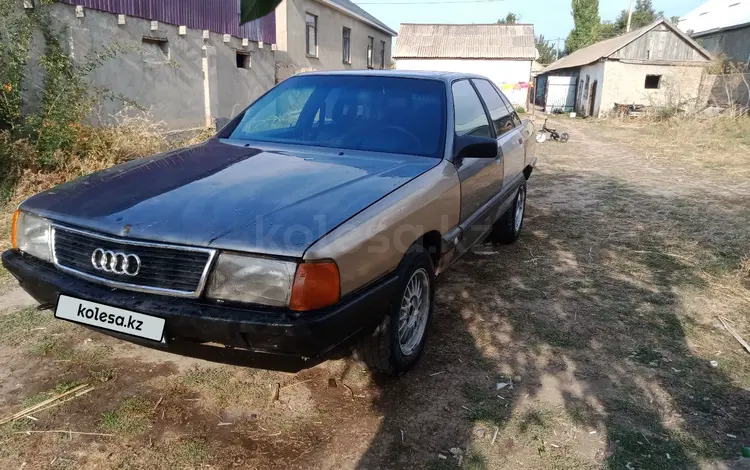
{"points": [[630, 16]]}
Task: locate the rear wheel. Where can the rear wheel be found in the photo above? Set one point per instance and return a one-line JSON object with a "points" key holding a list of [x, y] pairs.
{"points": [[564, 137], [508, 228], [398, 342]]}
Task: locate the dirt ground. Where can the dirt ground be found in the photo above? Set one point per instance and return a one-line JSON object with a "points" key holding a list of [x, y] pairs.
{"points": [[587, 344]]}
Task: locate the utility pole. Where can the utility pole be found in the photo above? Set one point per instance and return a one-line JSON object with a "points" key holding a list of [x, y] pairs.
{"points": [[630, 16]]}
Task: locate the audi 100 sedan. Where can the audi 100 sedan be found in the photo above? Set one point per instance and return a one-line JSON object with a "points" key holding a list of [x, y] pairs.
{"points": [[314, 222]]}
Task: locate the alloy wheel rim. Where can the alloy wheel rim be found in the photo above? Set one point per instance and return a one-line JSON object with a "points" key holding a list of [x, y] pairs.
{"points": [[415, 307], [520, 206]]}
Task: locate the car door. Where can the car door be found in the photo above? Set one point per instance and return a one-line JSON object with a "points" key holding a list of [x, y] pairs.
{"points": [[481, 178], [515, 160]]}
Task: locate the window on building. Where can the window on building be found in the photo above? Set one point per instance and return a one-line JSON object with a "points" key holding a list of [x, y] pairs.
{"points": [[502, 116], [346, 41], [243, 60], [382, 54], [311, 34], [370, 46], [469, 115], [652, 82], [155, 49]]}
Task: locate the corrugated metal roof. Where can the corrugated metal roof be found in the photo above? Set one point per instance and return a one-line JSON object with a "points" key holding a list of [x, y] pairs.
{"points": [[357, 10], [715, 15], [218, 16], [466, 41], [605, 48]]}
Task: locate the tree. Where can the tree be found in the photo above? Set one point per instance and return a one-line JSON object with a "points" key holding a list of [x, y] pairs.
{"points": [[643, 14], [510, 18], [586, 24], [607, 30], [253, 9], [547, 52]]}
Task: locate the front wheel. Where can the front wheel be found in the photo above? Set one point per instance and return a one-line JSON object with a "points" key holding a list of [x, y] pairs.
{"points": [[564, 137], [398, 342], [541, 136], [508, 228]]}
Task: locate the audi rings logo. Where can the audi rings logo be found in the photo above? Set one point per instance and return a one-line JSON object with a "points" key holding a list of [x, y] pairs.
{"points": [[115, 262]]}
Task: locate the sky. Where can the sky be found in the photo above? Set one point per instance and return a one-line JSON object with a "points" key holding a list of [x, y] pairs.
{"points": [[551, 18]]}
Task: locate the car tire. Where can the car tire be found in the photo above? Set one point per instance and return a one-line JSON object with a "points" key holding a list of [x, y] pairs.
{"points": [[383, 351], [508, 228]]}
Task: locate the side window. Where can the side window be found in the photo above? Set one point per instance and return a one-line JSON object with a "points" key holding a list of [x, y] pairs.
{"points": [[470, 117], [512, 109], [501, 116]]}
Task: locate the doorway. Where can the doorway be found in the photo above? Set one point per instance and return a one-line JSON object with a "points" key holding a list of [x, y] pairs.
{"points": [[592, 97]]}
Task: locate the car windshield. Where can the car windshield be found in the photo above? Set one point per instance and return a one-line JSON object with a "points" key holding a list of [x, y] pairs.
{"points": [[373, 113]]}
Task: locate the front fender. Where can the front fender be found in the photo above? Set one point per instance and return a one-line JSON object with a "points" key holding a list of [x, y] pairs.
{"points": [[373, 242]]}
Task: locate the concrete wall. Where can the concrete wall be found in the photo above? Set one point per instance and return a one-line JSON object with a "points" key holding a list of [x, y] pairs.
{"points": [[291, 27], [511, 76], [238, 87], [625, 83], [170, 85], [589, 91], [734, 43]]}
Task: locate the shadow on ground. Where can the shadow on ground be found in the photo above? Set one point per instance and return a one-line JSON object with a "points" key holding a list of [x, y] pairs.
{"points": [[601, 317], [588, 313]]}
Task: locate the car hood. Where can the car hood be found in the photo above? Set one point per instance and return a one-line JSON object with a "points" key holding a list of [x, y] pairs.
{"points": [[276, 200]]}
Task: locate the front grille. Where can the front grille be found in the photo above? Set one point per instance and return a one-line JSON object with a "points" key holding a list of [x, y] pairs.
{"points": [[164, 268]]}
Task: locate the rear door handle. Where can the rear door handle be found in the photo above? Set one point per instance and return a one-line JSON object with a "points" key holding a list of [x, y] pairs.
{"points": [[520, 141]]}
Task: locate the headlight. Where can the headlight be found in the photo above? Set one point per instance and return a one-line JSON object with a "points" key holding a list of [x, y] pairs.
{"points": [[250, 279], [31, 234]]}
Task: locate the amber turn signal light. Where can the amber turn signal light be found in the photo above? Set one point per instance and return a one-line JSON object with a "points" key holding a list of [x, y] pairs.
{"points": [[316, 285], [13, 237]]}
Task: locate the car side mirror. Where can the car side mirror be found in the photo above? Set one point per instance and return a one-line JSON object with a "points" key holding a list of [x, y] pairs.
{"points": [[472, 146]]}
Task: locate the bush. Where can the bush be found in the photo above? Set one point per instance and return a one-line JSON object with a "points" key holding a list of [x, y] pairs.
{"points": [[520, 109], [49, 144], [134, 135]]}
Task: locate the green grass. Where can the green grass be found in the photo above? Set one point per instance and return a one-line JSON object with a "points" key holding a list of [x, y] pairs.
{"points": [[191, 452], [130, 418], [484, 405], [46, 346], [15, 327]]}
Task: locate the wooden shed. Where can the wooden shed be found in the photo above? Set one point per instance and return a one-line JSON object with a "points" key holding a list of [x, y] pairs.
{"points": [[657, 65]]}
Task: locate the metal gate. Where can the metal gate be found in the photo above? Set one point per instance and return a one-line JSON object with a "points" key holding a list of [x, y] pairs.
{"points": [[561, 93]]}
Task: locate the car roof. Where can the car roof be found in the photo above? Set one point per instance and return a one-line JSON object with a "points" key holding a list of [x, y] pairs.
{"points": [[419, 74]]}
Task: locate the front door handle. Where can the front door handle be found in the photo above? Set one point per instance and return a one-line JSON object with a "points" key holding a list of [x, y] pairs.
{"points": [[520, 141]]}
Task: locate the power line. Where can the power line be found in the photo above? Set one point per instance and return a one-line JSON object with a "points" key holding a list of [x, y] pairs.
{"points": [[429, 3]]}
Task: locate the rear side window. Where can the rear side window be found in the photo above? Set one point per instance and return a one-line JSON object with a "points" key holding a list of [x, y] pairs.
{"points": [[511, 108], [501, 116], [470, 118]]}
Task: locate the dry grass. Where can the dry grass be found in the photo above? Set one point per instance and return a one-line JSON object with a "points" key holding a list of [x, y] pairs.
{"points": [[134, 135], [717, 143]]}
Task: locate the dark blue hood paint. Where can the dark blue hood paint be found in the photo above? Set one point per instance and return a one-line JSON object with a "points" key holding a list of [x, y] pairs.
{"points": [[230, 197]]}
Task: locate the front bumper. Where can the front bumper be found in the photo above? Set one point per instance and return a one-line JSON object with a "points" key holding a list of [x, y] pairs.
{"points": [[244, 335]]}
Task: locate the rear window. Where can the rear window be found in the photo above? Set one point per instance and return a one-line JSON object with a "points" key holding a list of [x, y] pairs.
{"points": [[379, 114]]}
